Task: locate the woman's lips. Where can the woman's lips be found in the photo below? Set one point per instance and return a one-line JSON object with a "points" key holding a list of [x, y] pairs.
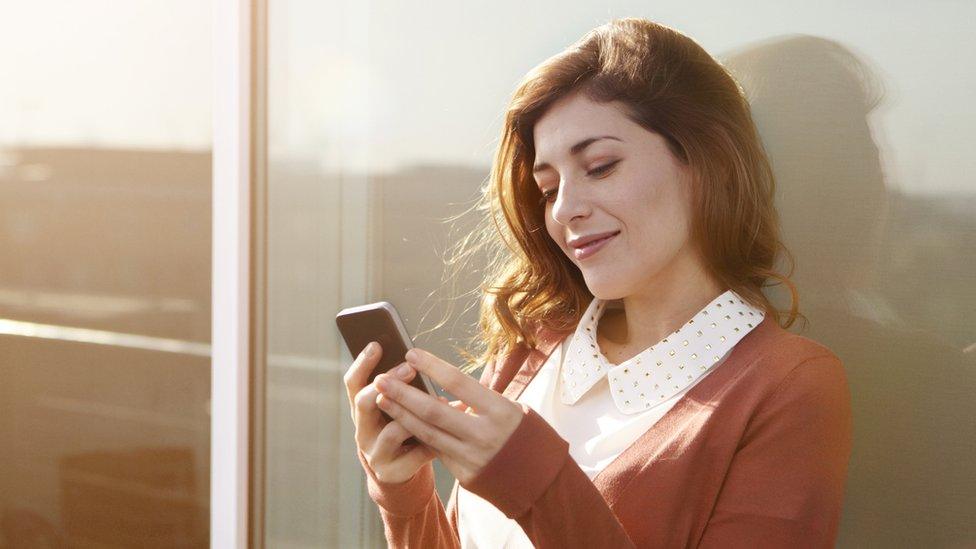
{"points": [[591, 248]]}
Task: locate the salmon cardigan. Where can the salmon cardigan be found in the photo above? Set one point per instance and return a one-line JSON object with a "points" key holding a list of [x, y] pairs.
{"points": [[754, 455]]}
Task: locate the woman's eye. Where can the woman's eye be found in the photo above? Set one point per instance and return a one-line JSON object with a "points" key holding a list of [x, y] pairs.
{"points": [[548, 196], [602, 169]]}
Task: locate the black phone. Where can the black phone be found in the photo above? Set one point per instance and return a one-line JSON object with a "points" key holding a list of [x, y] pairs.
{"points": [[381, 323]]}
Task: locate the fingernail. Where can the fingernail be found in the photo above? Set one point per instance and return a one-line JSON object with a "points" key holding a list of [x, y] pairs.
{"points": [[412, 355], [370, 349], [403, 371]]}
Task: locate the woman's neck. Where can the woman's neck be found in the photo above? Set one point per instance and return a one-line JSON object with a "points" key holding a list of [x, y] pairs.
{"points": [[634, 323]]}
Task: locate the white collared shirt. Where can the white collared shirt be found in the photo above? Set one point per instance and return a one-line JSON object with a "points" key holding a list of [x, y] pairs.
{"points": [[656, 374], [601, 415]]}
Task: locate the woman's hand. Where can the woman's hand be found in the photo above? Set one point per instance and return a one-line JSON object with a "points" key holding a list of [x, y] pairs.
{"points": [[465, 438], [380, 441]]}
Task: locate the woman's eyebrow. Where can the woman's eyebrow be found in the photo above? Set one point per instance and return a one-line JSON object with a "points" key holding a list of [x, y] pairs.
{"points": [[574, 150]]}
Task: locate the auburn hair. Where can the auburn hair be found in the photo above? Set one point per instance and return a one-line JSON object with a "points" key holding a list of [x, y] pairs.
{"points": [[670, 86]]}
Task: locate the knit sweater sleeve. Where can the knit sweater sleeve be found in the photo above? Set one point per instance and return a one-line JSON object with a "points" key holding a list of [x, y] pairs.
{"points": [[534, 481], [785, 485], [412, 512]]}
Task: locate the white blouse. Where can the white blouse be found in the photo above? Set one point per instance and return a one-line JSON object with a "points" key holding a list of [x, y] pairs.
{"points": [[628, 398]]}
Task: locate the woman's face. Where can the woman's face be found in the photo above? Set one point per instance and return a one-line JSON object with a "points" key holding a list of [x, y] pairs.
{"points": [[625, 184]]}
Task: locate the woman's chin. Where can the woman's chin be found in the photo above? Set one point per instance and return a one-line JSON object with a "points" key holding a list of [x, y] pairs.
{"points": [[605, 287]]}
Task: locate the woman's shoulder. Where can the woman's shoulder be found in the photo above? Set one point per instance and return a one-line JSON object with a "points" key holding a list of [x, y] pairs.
{"points": [[789, 348], [500, 369], [785, 359]]}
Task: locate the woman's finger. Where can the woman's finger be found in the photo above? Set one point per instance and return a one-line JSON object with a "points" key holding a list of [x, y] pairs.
{"points": [[390, 451], [452, 380], [355, 378], [367, 416], [389, 442], [460, 406], [430, 409], [428, 433]]}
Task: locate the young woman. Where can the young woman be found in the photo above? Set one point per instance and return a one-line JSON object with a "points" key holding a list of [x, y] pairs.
{"points": [[638, 390]]}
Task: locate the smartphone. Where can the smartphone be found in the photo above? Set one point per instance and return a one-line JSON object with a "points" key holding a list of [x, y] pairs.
{"points": [[381, 323]]}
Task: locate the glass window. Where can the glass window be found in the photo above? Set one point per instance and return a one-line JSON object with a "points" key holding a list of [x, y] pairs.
{"points": [[105, 284], [383, 119]]}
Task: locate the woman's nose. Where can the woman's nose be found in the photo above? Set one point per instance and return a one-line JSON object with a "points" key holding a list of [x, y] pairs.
{"points": [[570, 203]]}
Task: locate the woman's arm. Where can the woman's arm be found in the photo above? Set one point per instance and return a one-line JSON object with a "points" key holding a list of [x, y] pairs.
{"points": [[785, 486], [412, 513], [531, 478], [535, 481]]}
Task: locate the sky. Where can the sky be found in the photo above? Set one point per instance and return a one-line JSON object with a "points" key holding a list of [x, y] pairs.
{"points": [[380, 85]]}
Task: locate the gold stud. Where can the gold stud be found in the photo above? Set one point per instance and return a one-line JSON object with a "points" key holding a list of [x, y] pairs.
{"points": [[723, 338], [681, 366], [692, 321], [647, 374], [665, 340], [659, 363], [718, 304], [713, 324], [716, 359], [694, 355], [708, 346], [699, 333], [642, 395], [626, 402], [727, 317], [737, 328], [685, 343], [671, 352], [689, 376], [626, 371], [750, 325]]}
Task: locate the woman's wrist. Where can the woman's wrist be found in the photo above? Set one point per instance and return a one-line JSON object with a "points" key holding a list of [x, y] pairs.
{"points": [[400, 498]]}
